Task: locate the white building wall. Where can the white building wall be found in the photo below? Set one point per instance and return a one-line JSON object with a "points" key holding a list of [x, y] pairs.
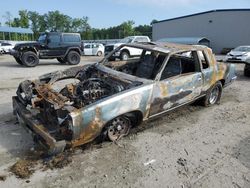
{"points": [[225, 29]]}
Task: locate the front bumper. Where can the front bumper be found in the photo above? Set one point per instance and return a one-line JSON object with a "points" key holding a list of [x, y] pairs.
{"points": [[14, 53], [36, 128]]}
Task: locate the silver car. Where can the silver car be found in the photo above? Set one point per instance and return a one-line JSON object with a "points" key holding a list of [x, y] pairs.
{"points": [[93, 49], [240, 54]]}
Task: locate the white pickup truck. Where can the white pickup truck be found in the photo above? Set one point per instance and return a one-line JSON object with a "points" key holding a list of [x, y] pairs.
{"points": [[126, 52]]}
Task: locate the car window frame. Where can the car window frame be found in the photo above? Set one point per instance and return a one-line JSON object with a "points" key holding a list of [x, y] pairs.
{"points": [[158, 76]]}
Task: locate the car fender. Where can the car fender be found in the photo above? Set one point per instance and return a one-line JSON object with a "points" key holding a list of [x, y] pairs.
{"points": [[88, 123]]}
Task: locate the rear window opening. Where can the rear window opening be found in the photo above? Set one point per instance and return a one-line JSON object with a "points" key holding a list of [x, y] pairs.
{"points": [[181, 63]]}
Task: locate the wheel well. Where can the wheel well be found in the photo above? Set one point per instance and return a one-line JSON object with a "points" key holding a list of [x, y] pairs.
{"points": [[125, 50], [28, 49], [222, 82], [76, 50], [136, 117]]}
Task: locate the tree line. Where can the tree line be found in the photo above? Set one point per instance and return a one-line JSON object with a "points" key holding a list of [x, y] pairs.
{"points": [[57, 21]]}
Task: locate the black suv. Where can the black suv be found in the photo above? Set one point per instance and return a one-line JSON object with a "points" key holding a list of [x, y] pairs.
{"points": [[66, 47]]}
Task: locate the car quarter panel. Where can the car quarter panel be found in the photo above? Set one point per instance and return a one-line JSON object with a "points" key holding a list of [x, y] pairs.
{"points": [[89, 122]]}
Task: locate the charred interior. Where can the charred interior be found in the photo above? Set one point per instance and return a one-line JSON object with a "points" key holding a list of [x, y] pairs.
{"points": [[147, 65]]}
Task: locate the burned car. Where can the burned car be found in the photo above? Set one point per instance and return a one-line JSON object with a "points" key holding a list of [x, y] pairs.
{"points": [[75, 106]]}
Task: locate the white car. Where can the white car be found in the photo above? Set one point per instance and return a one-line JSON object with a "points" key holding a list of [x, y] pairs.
{"points": [[126, 53], [93, 49], [5, 47], [240, 54]]}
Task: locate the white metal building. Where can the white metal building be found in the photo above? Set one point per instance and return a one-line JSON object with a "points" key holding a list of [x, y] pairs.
{"points": [[227, 28]]}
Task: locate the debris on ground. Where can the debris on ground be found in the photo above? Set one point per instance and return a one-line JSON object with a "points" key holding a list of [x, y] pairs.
{"points": [[58, 161], [23, 168], [183, 163], [149, 162], [2, 177]]}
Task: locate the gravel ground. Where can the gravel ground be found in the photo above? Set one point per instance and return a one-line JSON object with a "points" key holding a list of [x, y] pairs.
{"points": [[191, 147]]}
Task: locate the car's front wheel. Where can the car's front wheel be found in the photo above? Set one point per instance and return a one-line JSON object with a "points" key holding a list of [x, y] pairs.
{"points": [[30, 59], [118, 127], [247, 70], [213, 95], [73, 58]]}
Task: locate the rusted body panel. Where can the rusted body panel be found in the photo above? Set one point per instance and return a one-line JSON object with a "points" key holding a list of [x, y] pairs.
{"points": [[78, 113]]}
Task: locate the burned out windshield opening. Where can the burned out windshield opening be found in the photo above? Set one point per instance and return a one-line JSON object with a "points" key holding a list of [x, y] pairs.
{"points": [[143, 63]]}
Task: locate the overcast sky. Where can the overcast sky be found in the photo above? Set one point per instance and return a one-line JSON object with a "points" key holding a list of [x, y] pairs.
{"points": [[106, 13]]}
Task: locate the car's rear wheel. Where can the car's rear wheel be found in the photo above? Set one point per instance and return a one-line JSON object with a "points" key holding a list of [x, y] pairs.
{"points": [[61, 60], [30, 59], [247, 70], [99, 53], [124, 56], [118, 127], [18, 60], [73, 58], [213, 95]]}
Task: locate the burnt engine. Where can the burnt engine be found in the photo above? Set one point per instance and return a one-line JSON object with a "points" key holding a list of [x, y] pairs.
{"points": [[91, 88]]}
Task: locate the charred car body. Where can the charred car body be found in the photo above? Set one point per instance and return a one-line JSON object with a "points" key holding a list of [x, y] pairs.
{"points": [[107, 98]]}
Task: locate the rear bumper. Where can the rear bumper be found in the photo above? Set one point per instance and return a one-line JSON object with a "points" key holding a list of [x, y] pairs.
{"points": [[36, 128]]}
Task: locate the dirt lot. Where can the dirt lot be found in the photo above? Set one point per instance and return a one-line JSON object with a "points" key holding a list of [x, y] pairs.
{"points": [[191, 147]]}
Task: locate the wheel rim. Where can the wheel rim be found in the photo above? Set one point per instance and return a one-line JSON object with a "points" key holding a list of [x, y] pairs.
{"points": [[31, 60], [99, 53], [124, 56], [214, 95], [118, 128], [74, 59]]}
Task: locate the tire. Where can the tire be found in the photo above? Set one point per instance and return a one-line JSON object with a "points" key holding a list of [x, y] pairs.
{"points": [[18, 60], [247, 70], [73, 58], [117, 128], [61, 60], [213, 95], [99, 53], [30, 59], [124, 56]]}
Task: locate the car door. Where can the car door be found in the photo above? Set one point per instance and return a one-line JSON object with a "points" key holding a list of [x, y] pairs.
{"points": [[88, 49], [95, 49], [54, 48], [180, 82]]}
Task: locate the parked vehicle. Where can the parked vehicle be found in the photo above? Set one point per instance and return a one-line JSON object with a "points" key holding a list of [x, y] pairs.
{"points": [[126, 52], [96, 49], [240, 54], [105, 100], [66, 47], [5, 47]]}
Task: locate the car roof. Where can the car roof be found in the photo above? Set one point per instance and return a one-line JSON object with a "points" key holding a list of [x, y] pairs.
{"points": [[243, 46], [165, 47]]}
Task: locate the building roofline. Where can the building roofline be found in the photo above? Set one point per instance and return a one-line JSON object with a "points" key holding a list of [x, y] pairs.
{"points": [[200, 13]]}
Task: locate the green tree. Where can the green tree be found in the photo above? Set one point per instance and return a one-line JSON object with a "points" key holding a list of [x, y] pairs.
{"points": [[15, 22], [34, 19], [24, 19]]}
